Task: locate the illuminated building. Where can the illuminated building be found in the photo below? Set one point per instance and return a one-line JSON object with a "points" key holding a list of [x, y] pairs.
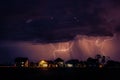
{"points": [[69, 65], [21, 62], [51, 64], [72, 63], [43, 64], [59, 62]]}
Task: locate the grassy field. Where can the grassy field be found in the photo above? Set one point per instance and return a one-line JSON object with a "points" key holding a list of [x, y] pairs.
{"points": [[59, 74]]}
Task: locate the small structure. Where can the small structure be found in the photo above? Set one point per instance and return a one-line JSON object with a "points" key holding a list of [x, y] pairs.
{"points": [[51, 64], [92, 63], [21, 62], [72, 63], [59, 62], [33, 65], [43, 64]]}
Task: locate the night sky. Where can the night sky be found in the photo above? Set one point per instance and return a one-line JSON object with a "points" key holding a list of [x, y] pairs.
{"points": [[47, 29]]}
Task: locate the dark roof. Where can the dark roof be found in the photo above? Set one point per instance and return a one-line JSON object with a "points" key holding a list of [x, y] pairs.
{"points": [[59, 60], [73, 61]]}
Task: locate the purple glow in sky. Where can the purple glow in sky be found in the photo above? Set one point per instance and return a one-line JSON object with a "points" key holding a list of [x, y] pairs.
{"points": [[80, 48], [68, 29]]}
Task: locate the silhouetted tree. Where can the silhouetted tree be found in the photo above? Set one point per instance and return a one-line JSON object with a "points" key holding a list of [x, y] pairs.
{"points": [[91, 62], [103, 60], [98, 57], [112, 64], [59, 62]]}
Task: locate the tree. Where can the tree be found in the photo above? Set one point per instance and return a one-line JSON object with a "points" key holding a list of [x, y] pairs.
{"points": [[59, 60], [98, 57], [103, 59]]}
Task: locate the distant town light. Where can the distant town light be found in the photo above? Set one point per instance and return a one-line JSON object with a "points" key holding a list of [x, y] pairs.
{"points": [[69, 65], [22, 65], [22, 62], [42, 61], [43, 64], [100, 66]]}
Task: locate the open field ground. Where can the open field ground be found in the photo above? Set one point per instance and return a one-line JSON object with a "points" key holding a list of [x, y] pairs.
{"points": [[58, 74]]}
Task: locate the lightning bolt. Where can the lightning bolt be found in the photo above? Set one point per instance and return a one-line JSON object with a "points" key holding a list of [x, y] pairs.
{"points": [[62, 47], [100, 45], [86, 43], [105, 40]]}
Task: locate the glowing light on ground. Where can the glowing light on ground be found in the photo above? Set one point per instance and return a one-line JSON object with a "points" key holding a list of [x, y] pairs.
{"points": [[43, 64]]}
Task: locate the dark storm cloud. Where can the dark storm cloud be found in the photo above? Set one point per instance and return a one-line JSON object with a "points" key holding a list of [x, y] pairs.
{"points": [[5, 51], [52, 20]]}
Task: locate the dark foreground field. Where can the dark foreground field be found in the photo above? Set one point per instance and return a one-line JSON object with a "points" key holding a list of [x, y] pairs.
{"points": [[59, 74]]}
